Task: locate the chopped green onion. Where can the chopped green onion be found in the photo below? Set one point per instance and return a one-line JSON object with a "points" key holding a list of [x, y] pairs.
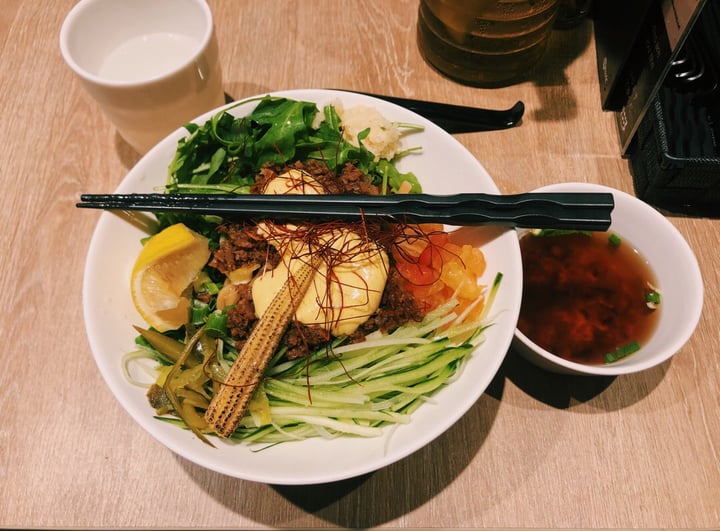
{"points": [[621, 352], [652, 297], [216, 325], [614, 240], [560, 232], [200, 311], [211, 288]]}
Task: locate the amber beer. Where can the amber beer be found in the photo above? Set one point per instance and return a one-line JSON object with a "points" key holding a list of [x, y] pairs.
{"points": [[486, 43]]}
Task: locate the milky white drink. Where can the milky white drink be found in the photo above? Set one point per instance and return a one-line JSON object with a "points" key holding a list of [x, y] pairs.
{"points": [[151, 65], [147, 56]]}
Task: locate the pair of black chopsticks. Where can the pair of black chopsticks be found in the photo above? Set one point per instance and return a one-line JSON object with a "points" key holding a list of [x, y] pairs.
{"points": [[569, 211], [458, 118]]}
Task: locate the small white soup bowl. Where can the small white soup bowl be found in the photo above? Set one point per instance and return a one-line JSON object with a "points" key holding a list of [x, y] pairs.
{"points": [[676, 271]]}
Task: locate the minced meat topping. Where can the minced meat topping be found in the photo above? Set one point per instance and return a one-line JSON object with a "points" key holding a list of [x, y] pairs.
{"points": [[241, 245], [351, 180]]}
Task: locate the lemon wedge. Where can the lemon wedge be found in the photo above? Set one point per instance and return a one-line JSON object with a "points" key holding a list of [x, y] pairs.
{"points": [[169, 261]]}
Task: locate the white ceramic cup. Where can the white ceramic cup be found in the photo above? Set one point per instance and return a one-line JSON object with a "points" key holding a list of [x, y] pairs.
{"points": [[151, 65]]}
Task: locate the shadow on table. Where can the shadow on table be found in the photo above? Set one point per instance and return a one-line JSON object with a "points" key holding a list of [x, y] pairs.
{"points": [[562, 391], [446, 458], [398, 489], [126, 153], [556, 94], [365, 501], [411, 482]]}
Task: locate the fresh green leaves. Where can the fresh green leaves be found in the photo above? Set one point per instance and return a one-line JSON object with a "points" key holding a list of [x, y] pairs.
{"points": [[327, 144], [392, 179], [277, 126], [225, 154]]}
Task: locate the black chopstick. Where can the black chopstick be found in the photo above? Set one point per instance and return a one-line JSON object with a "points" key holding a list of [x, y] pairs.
{"points": [[458, 118], [570, 211]]}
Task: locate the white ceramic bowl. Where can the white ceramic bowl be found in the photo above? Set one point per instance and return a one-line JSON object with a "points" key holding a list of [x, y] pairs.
{"points": [[443, 166], [676, 271]]}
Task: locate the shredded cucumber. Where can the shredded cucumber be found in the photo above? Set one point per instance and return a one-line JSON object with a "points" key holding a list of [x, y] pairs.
{"points": [[357, 389]]}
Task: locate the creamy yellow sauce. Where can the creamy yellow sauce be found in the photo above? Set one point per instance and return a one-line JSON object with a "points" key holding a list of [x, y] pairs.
{"points": [[293, 182], [341, 297], [340, 301]]}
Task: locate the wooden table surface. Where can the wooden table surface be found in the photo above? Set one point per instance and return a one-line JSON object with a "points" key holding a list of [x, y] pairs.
{"points": [[537, 450]]}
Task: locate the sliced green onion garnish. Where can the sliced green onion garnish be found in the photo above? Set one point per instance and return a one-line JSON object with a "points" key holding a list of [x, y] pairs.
{"points": [[561, 232], [614, 240], [211, 287], [216, 325], [652, 297], [621, 352], [199, 311]]}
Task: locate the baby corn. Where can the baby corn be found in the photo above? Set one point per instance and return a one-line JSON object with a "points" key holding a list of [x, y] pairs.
{"points": [[232, 397]]}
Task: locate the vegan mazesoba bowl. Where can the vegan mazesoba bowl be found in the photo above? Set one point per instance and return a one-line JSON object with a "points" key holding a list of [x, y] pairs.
{"points": [[441, 166]]}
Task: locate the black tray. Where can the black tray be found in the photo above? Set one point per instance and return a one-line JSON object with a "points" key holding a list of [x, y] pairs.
{"points": [[675, 161]]}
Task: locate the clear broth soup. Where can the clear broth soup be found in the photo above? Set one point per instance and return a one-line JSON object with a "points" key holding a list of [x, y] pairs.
{"points": [[587, 297]]}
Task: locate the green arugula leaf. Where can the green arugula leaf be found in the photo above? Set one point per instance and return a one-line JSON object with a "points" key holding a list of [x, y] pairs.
{"points": [[283, 124]]}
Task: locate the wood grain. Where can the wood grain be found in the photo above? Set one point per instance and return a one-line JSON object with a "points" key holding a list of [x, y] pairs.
{"points": [[536, 451]]}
